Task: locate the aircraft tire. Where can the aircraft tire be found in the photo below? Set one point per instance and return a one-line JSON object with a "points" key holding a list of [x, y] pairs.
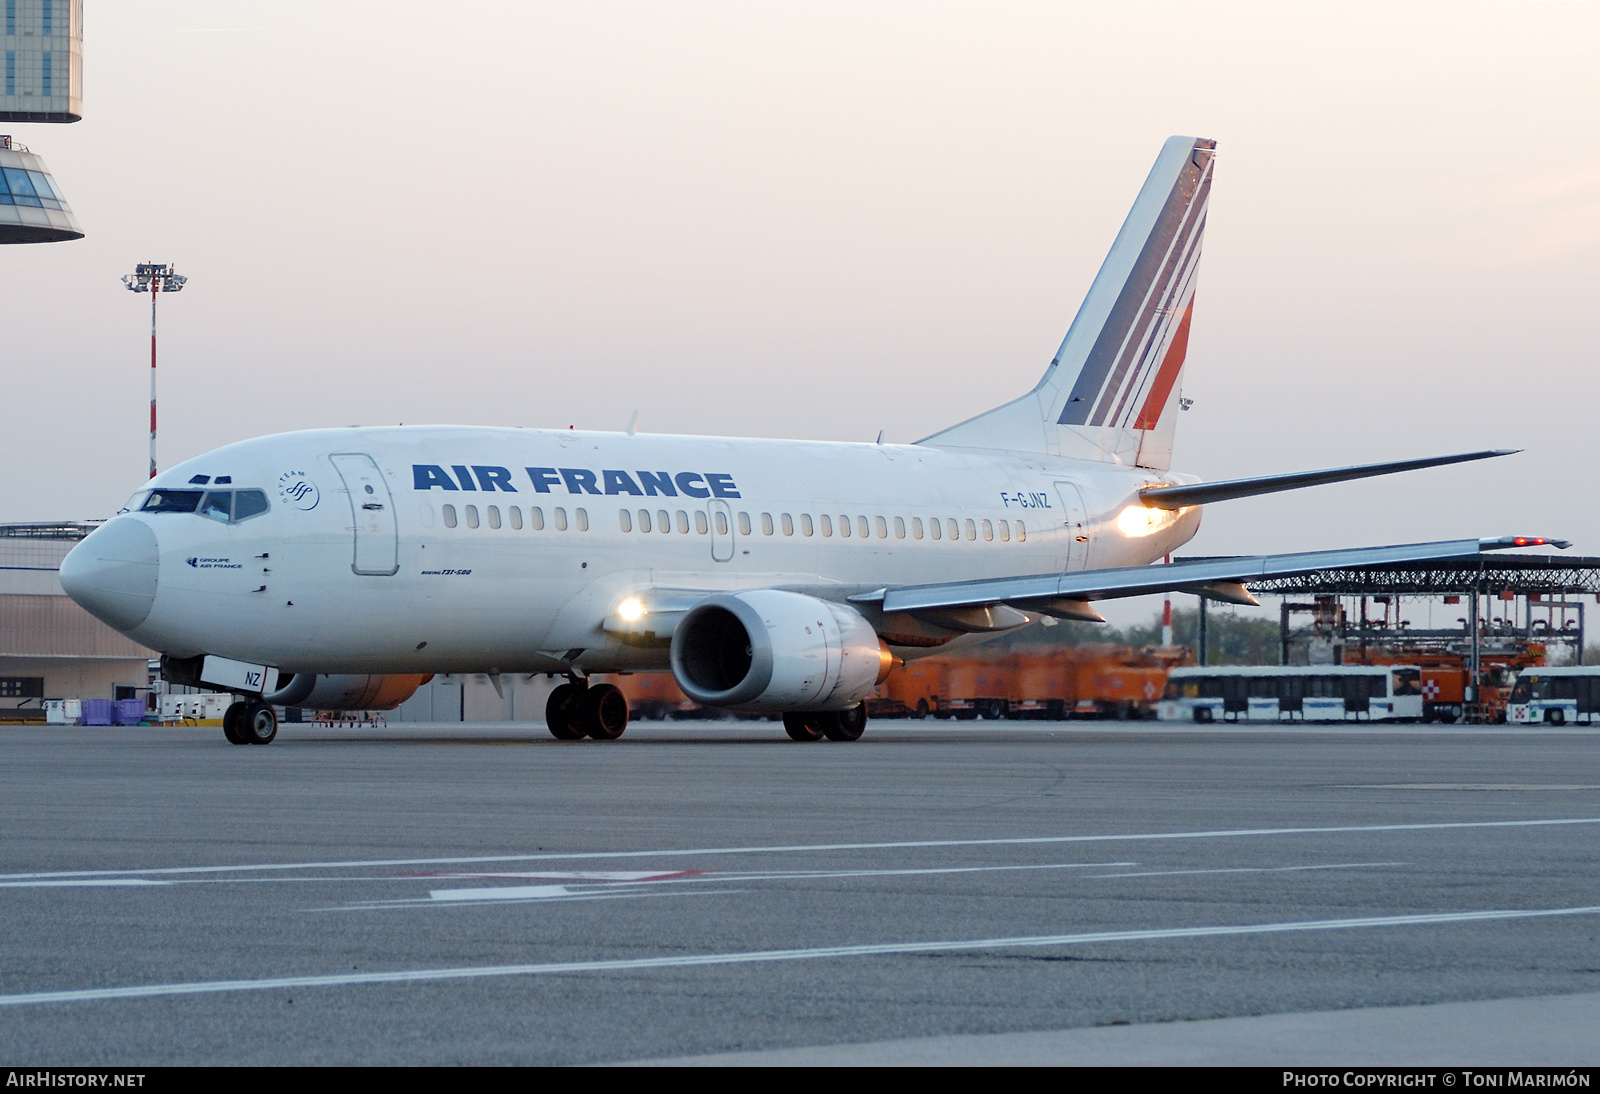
{"points": [[802, 727], [845, 725], [563, 712], [604, 712], [233, 723], [259, 726]]}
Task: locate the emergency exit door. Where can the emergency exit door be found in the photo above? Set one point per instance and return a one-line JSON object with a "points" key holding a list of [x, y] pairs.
{"points": [[377, 533]]}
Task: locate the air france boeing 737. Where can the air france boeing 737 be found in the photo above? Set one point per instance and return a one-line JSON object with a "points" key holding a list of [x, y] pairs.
{"points": [[339, 568]]}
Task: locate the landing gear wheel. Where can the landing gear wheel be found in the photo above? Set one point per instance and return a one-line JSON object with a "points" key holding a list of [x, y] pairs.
{"points": [[260, 723], [563, 713], [604, 712], [233, 724], [845, 725], [802, 727]]}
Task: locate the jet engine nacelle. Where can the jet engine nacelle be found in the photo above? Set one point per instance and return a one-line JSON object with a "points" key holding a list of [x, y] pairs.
{"points": [[345, 691], [772, 650]]}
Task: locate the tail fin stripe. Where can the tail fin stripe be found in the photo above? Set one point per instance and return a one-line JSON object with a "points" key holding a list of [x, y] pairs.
{"points": [[1179, 246], [1154, 266], [1171, 365], [1153, 352]]}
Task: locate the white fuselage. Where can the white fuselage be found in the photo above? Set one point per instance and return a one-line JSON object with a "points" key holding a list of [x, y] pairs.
{"points": [[540, 553]]}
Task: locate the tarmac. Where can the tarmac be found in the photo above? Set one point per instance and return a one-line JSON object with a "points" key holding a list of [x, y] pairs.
{"points": [[976, 893]]}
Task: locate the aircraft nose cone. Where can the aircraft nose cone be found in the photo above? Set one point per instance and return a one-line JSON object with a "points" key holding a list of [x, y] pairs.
{"points": [[112, 573]]}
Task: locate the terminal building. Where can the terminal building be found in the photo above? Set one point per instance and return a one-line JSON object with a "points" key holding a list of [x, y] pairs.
{"points": [[42, 48], [49, 647]]}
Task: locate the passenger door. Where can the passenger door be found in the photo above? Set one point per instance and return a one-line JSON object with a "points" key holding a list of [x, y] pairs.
{"points": [[377, 534]]}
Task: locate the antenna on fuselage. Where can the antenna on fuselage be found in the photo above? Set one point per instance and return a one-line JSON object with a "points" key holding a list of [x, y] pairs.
{"points": [[632, 422]]}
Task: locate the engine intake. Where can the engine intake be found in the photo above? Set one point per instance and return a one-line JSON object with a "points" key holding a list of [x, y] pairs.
{"points": [[773, 650]]}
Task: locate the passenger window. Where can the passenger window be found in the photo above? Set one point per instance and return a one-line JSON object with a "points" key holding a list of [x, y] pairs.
{"points": [[683, 523], [248, 503], [494, 516], [844, 525], [560, 515], [536, 518], [744, 524], [953, 527], [663, 520], [700, 521], [625, 520], [827, 524], [1022, 533], [644, 520], [899, 527], [218, 505], [934, 526], [472, 516], [516, 517], [722, 523], [1005, 531], [766, 524], [916, 527], [172, 501], [862, 528], [988, 530], [449, 516], [788, 525], [583, 520], [972, 529], [805, 524]]}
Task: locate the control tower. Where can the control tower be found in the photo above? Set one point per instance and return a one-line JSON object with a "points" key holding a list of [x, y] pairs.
{"points": [[42, 81]]}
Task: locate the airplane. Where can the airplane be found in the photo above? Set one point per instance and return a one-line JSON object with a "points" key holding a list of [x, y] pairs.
{"points": [[341, 568]]}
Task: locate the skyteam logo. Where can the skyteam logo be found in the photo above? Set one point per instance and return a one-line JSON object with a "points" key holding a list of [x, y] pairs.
{"points": [[297, 491]]}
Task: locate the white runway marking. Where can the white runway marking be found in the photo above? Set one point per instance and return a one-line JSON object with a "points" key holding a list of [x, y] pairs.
{"points": [[1254, 869], [687, 852], [502, 892], [568, 968], [1464, 786], [82, 883]]}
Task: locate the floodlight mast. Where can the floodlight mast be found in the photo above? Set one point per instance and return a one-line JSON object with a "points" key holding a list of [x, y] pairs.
{"points": [[154, 279]]}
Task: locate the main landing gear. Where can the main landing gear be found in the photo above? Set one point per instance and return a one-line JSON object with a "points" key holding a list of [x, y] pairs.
{"points": [[578, 709], [252, 722], [836, 725]]}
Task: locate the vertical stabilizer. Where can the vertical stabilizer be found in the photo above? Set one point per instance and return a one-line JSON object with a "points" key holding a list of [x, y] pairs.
{"points": [[1112, 391]]}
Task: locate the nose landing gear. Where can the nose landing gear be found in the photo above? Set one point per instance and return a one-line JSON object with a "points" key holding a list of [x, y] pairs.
{"points": [[250, 723]]}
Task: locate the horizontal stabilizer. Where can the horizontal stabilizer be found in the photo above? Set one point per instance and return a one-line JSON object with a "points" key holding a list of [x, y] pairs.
{"points": [[1218, 578], [1204, 493]]}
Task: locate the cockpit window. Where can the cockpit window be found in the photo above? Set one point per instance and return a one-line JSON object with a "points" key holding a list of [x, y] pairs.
{"points": [[227, 506], [172, 501], [248, 503], [134, 503], [218, 505]]}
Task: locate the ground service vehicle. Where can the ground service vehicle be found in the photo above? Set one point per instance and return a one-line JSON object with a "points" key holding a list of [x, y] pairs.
{"points": [[1317, 693], [1555, 696]]}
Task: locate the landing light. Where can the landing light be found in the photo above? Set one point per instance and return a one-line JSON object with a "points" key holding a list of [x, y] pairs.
{"points": [[1137, 521], [631, 609]]}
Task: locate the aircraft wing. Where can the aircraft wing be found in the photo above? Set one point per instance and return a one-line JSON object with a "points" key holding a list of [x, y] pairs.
{"points": [[1220, 578]]}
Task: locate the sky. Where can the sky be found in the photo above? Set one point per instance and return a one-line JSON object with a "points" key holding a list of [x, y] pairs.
{"points": [[822, 220]]}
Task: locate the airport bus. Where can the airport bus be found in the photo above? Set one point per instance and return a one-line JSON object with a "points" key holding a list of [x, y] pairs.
{"points": [[1317, 693], [1555, 696]]}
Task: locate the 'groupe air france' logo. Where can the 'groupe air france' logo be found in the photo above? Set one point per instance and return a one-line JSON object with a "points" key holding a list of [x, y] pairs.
{"points": [[297, 490]]}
